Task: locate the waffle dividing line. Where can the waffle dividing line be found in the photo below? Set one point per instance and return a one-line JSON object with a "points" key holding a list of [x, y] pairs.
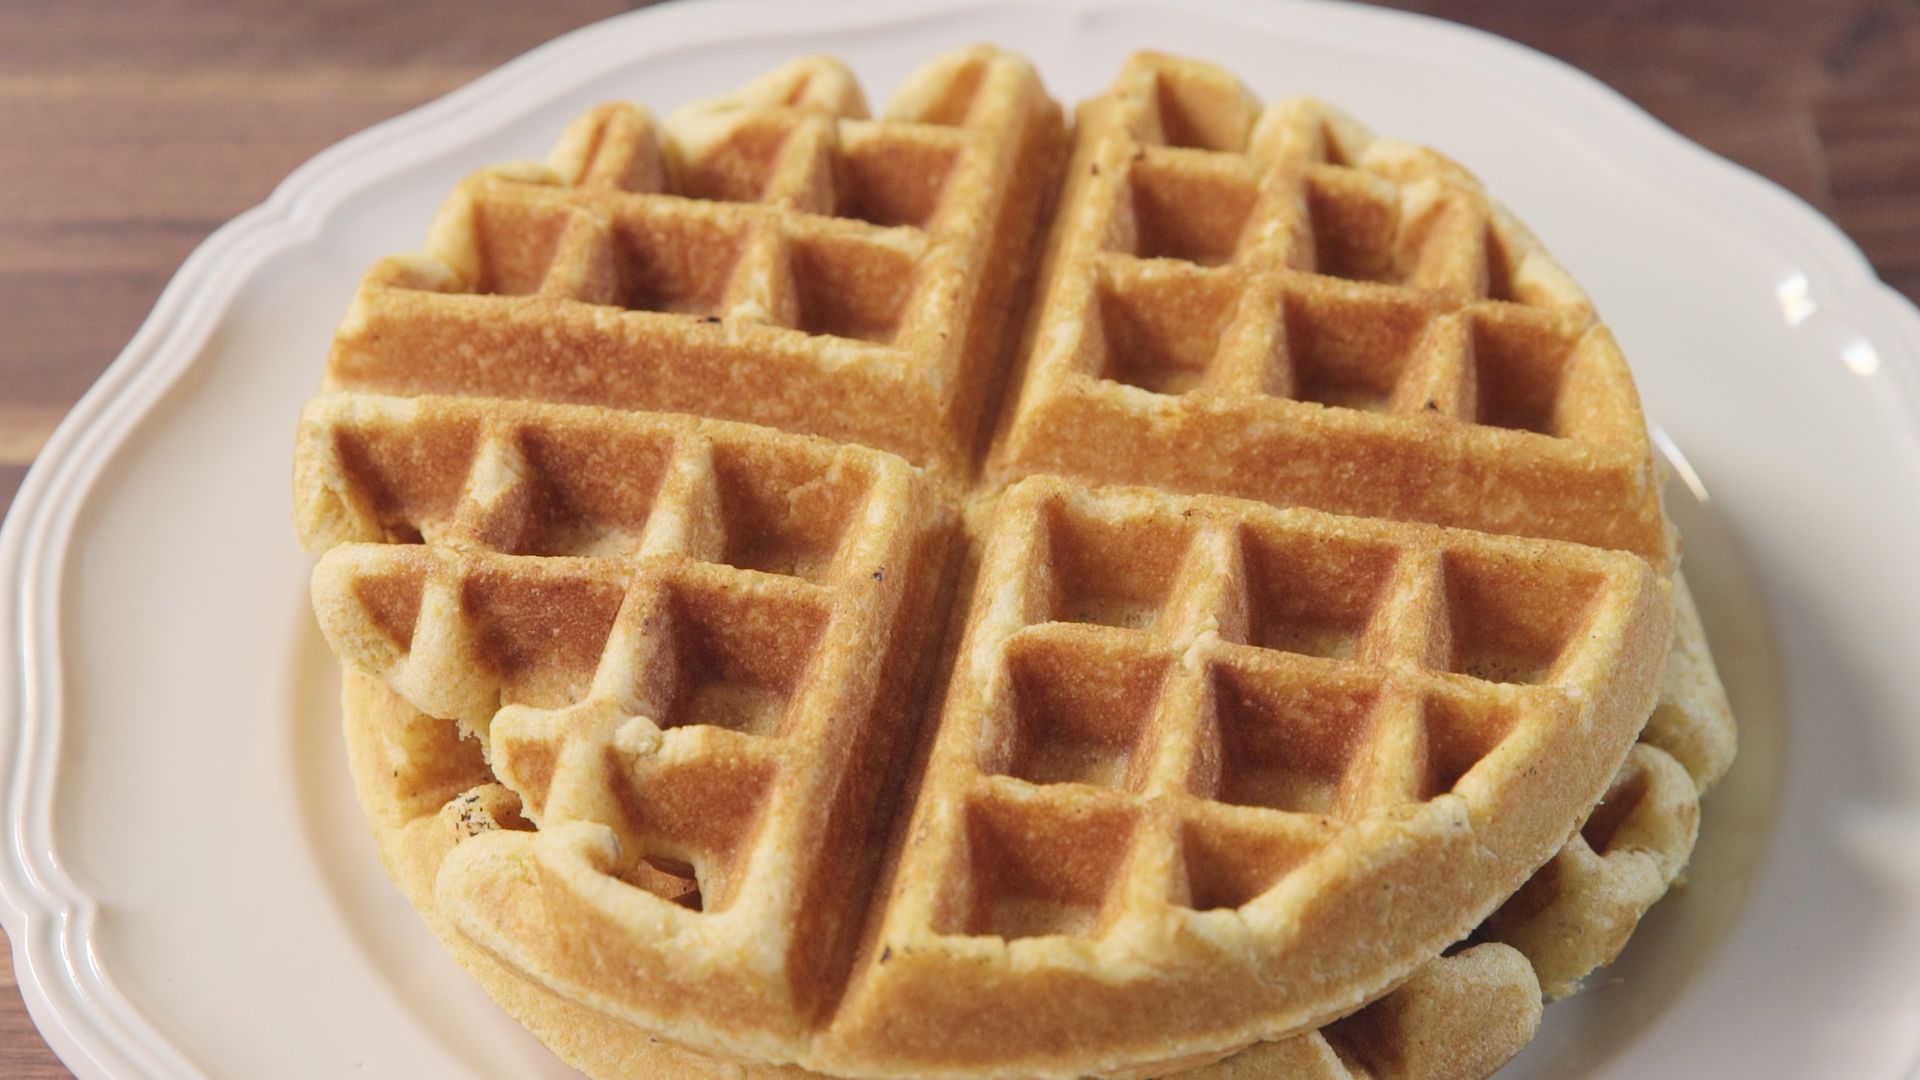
{"points": [[1181, 734]]}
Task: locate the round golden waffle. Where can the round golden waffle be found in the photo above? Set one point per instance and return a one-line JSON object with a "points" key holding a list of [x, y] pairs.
{"points": [[730, 694]]}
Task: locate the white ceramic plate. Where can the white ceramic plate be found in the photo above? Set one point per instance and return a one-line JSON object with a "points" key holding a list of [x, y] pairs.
{"points": [[190, 888]]}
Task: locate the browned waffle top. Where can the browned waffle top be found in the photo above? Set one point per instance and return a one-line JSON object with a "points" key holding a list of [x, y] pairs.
{"points": [[1307, 592]]}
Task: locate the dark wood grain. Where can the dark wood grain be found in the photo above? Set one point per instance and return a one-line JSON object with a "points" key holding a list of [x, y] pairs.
{"points": [[130, 131]]}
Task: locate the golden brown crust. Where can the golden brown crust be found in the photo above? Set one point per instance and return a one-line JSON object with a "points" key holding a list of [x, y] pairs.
{"points": [[1072, 824], [410, 772], [1196, 773], [1475, 705], [1428, 360], [773, 257]]}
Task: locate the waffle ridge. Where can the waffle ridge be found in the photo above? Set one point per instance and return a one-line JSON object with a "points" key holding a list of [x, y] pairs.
{"points": [[723, 679], [652, 691], [1430, 360], [846, 276]]}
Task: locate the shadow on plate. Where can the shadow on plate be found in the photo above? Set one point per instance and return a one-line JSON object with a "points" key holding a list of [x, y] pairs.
{"points": [[1684, 931]]}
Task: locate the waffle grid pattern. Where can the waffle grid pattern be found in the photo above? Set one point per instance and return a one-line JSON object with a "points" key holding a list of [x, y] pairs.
{"points": [[666, 674], [1181, 736], [1461, 1016], [1349, 323], [775, 258], [1165, 707]]}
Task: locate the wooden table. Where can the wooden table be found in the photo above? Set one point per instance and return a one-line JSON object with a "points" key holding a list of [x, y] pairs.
{"points": [[128, 132]]}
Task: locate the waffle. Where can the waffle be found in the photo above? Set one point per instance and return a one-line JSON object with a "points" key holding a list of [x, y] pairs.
{"points": [[1238, 741], [846, 277], [675, 642], [1425, 341], [654, 513]]}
